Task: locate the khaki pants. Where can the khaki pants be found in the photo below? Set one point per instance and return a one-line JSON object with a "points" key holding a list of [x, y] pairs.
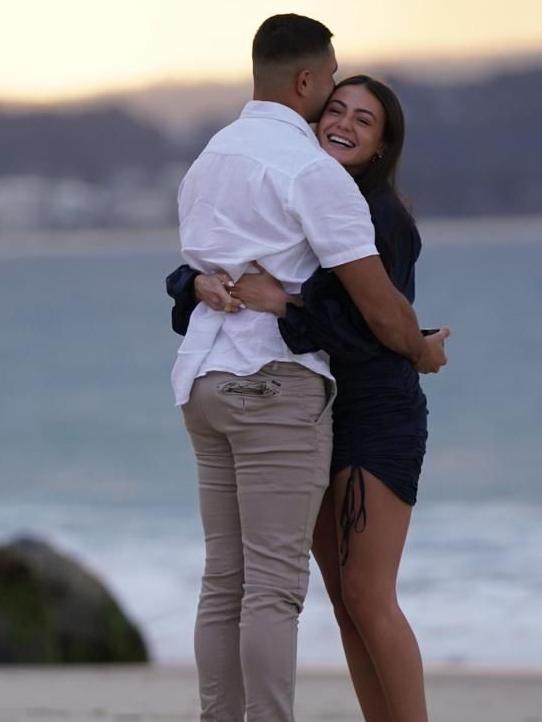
{"points": [[263, 446]]}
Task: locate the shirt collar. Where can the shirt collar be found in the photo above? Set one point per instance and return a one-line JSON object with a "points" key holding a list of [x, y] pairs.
{"points": [[277, 111]]}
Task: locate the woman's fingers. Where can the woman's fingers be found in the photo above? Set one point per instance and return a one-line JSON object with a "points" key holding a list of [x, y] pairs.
{"points": [[213, 290], [225, 280]]}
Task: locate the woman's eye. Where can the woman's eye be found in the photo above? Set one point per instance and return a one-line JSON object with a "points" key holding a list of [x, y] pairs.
{"points": [[363, 121]]}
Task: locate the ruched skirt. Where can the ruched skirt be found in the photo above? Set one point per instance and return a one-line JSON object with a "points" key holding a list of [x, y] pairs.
{"points": [[379, 424]]}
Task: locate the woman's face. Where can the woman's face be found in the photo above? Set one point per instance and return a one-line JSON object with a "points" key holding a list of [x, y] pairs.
{"points": [[351, 128]]}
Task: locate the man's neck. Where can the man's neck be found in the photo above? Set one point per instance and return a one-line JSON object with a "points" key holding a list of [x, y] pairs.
{"points": [[277, 98]]}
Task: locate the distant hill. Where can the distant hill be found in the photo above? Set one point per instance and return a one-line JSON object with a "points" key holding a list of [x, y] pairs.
{"points": [[475, 148], [472, 147], [91, 144]]}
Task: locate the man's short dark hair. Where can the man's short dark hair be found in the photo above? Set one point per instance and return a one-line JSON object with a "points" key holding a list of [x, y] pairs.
{"points": [[283, 38]]}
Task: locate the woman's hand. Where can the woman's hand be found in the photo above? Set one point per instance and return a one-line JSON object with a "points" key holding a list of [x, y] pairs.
{"points": [[214, 290], [261, 292]]}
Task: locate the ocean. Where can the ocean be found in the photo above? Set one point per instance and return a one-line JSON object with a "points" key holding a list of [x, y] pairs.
{"points": [[94, 457]]}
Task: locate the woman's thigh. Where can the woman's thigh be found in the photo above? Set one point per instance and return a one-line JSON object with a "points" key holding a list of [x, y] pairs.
{"points": [[375, 552]]}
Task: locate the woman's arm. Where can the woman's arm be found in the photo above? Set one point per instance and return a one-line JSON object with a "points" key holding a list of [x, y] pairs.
{"points": [[180, 286], [188, 287]]}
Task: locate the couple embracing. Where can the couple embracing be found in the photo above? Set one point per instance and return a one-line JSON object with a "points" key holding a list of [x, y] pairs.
{"points": [[298, 380]]}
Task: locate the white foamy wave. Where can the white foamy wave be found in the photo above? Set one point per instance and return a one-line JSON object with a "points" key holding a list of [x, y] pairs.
{"points": [[470, 581]]}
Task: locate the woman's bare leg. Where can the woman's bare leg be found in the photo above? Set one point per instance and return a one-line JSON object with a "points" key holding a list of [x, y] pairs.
{"points": [[368, 581], [362, 670]]}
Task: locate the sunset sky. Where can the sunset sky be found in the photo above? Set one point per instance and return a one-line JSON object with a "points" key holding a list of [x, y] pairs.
{"points": [[53, 49]]}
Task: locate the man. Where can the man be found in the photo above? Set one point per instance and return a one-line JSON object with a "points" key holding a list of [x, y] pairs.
{"points": [[258, 416]]}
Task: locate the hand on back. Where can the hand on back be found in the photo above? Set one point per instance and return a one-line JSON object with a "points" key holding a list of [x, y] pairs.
{"points": [[258, 291], [261, 291], [214, 290]]}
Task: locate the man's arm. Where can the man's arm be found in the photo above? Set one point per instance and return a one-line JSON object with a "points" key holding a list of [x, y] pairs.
{"points": [[336, 221], [389, 315]]}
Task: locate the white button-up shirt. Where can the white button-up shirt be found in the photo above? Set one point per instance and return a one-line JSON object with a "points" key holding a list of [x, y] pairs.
{"points": [[264, 190]]}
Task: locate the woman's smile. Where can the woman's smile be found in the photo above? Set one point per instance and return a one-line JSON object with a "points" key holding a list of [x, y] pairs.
{"points": [[351, 128]]}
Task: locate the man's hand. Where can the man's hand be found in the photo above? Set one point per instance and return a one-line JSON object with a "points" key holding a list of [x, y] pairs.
{"points": [[262, 292], [214, 291], [389, 315], [433, 356]]}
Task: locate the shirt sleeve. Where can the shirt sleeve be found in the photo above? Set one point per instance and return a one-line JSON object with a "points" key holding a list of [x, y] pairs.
{"points": [[333, 213]]}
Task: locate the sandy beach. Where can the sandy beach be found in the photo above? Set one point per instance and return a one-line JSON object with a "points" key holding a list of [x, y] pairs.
{"points": [[168, 694]]}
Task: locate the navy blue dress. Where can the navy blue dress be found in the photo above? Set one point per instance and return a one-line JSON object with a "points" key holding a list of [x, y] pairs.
{"points": [[380, 414]]}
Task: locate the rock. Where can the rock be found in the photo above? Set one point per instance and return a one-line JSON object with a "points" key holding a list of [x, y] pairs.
{"points": [[53, 611]]}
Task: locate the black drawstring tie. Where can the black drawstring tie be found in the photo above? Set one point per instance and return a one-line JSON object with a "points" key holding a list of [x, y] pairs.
{"points": [[352, 518]]}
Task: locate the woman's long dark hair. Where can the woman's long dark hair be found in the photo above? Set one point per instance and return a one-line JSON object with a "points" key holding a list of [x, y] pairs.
{"points": [[382, 171]]}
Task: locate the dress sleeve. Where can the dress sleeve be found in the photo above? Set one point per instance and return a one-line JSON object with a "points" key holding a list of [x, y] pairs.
{"points": [[180, 286], [397, 239], [328, 321], [409, 246]]}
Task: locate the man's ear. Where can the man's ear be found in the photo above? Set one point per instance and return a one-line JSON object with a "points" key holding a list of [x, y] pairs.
{"points": [[303, 82]]}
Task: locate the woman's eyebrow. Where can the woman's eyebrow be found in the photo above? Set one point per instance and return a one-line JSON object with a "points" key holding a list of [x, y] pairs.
{"points": [[356, 110], [339, 102], [365, 110]]}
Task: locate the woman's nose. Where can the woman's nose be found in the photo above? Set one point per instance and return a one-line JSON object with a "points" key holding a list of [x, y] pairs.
{"points": [[344, 122]]}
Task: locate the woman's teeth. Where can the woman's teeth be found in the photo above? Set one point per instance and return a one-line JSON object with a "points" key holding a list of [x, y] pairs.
{"points": [[340, 141]]}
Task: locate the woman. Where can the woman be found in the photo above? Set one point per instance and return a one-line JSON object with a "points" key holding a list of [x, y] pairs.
{"points": [[379, 415]]}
